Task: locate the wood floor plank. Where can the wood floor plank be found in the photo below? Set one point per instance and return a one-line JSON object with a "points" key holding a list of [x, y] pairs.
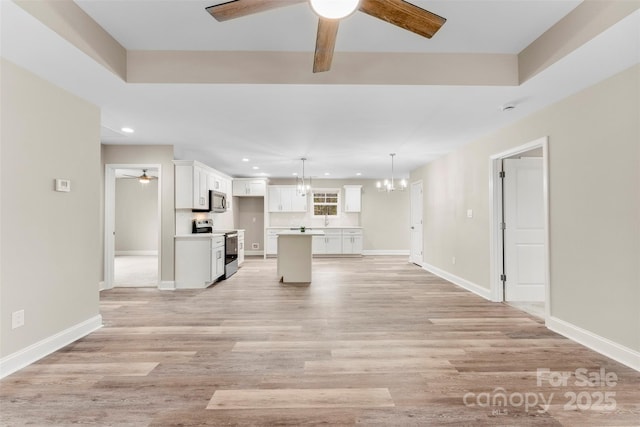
{"points": [[301, 398], [400, 345]]}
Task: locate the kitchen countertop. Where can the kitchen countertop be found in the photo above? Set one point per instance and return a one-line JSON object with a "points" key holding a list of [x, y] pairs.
{"points": [[300, 233], [198, 235], [317, 228]]}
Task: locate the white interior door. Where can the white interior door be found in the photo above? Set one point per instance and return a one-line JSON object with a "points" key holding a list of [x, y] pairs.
{"points": [[416, 223], [524, 230]]}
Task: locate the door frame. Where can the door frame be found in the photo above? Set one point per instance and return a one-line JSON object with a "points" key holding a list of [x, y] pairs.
{"points": [[411, 259], [495, 215], [110, 217]]}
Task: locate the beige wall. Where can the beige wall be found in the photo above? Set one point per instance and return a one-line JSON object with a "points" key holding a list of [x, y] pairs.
{"points": [[50, 264], [150, 154], [250, 218], [594, 163], [136, 215], [384, 217]]}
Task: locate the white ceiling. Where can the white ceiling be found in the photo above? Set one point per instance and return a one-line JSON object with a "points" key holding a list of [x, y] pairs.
{"points": [[341, 129]]}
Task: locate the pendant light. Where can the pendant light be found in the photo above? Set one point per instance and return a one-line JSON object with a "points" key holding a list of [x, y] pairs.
{"points": [[303, 186], [389, 185]]}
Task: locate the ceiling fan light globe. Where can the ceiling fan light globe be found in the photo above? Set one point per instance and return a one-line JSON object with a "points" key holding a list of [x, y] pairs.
{"points": [[334, 9]]}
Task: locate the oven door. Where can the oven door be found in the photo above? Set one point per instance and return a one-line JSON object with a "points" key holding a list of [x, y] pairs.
{"points": [[231, 248]]}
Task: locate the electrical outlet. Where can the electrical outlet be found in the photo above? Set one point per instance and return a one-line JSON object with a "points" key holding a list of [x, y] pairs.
{"points": [[17, 319], [255, 246], [453, 260]]}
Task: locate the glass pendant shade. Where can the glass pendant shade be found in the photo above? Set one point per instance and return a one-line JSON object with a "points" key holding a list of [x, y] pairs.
{"points": [[334, 9]]}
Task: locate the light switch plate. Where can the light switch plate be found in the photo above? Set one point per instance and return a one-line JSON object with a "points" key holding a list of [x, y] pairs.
{"points": [[469, 213], [63, 185]]}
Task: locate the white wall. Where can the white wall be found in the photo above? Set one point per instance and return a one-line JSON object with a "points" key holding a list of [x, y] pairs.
{"points": [[136, 215], [50, 263], [594, 163]]}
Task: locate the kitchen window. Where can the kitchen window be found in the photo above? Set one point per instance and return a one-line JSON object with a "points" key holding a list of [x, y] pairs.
{"points": [[326, 202]]}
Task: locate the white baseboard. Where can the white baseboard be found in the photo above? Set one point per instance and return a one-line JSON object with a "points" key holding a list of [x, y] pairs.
{"points": [[167, 285], [254, 253], [617, 352], [385, 252], [22, 358], [138, 253], [101, 285], [463, 283]]}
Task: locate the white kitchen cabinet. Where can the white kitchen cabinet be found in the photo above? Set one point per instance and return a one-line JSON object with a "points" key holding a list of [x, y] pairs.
{"points": [[272, 242], [215, 183], [218, 253], [329, 244], [285, 198], [352, 198], [199, 261], [352, 242], [249, 187], [191, 187], [240, 247]]}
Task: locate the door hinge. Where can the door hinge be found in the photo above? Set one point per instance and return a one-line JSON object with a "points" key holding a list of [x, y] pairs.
{"points": [[502, 174], [503, 277], [503, 226]]}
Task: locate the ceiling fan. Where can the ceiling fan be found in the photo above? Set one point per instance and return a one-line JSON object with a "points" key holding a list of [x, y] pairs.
{"points": [[397, 12], [144, 178]]}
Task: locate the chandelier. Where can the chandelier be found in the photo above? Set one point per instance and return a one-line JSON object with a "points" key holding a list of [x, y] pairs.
{"points": [[303, 185], [389, 185]]}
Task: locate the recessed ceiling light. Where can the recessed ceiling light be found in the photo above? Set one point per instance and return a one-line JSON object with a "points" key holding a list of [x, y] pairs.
{"points": [[358, 174], [295, 174], [245, 160], [127, 130], [327, 174], [255, 168]]}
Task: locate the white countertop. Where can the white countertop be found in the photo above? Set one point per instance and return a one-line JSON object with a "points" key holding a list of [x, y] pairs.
{"points": [[318, 228], [198, 235], [300, 233]]}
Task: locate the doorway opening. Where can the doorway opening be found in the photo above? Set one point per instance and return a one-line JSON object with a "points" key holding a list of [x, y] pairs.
{"points": [[519, 206], [132, 225]]}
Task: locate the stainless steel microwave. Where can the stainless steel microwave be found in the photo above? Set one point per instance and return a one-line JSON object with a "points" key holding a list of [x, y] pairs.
{"points": [[218, 201]]}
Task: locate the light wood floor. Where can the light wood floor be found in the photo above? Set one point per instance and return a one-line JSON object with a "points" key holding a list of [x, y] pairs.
{"points": [[372, 341]]}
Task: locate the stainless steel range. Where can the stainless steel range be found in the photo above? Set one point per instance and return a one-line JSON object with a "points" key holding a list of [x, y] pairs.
{"points": [[230, 253]]}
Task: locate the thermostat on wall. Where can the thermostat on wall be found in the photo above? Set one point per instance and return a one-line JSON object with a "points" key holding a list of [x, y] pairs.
{"points": [[63, 185]]}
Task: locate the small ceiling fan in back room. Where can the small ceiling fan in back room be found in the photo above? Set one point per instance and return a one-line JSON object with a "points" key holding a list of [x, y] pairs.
{"points": [[397, 12]]}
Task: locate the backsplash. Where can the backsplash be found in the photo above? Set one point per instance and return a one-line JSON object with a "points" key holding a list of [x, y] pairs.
{"points": [[185, 217], [297, 219]]}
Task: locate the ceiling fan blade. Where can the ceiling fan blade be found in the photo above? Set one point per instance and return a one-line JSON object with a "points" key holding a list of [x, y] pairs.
{"points": [[404, 15], [238, 8], [325, 44]]}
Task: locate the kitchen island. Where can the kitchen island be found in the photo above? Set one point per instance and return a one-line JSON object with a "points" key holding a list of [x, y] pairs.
{"points": [[295, 256]]}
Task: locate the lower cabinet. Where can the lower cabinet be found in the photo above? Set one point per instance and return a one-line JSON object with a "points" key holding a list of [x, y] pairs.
{"points": [[329, 244], [352, 242], [272, 242], [336, 241], [240, 247], [199, 261]]}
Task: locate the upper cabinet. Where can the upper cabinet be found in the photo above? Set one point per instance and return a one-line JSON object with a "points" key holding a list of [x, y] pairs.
{"points": [[285, 198], [352, 198], [193, 180], [249, 187], [192, 187]]}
